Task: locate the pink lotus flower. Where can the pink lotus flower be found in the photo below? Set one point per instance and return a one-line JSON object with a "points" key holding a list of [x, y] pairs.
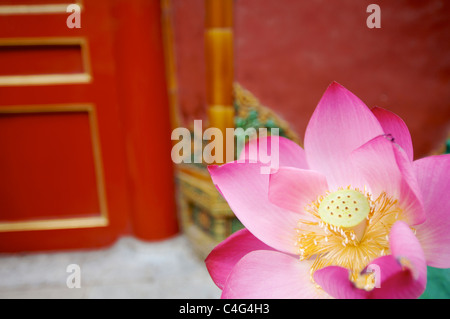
{"points": [[350, 216]]}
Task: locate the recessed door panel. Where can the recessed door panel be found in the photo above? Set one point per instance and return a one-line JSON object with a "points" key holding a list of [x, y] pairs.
{"points": [[50, 165]]}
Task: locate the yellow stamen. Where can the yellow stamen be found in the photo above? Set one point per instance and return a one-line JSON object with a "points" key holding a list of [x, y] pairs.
{"points": [[365, 281]]}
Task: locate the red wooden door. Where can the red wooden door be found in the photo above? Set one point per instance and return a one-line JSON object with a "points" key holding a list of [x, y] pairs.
{"points": [[83, 124]]}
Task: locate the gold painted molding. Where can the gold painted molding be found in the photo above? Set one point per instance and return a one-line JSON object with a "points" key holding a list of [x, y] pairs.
{"points": [[50, 224], [102, 219], [48, 79], [24, 9]]}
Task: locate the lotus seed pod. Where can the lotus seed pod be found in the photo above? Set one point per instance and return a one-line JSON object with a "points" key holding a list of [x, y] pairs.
{"points": [[344, 208]]}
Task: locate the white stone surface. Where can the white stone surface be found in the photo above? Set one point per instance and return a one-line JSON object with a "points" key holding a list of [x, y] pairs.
{"points": [[129, 269]]}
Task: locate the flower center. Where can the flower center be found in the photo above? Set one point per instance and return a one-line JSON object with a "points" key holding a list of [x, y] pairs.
{"points": [[344, 208], [346, 228]]}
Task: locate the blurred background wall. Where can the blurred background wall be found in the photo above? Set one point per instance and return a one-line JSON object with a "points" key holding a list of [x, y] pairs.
{"points": [[287, 53]]}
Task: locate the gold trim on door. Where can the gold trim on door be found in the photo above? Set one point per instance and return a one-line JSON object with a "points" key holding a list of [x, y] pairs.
{"points": [[65, 223], [48, 79], [23, 9]]}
